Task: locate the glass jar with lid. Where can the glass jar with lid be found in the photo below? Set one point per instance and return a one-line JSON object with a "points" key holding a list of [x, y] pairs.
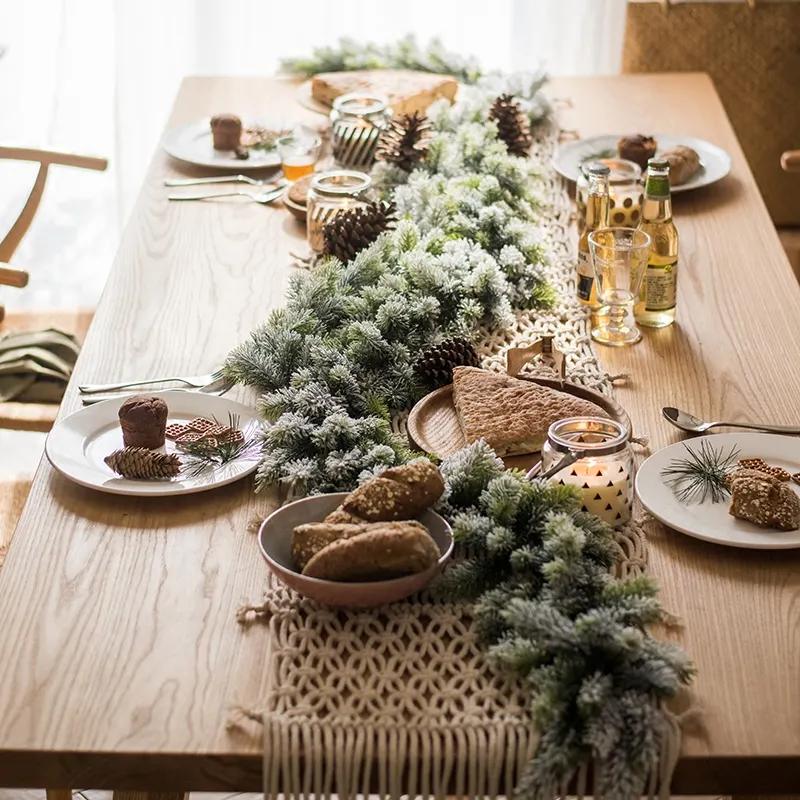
{"points": [[598, 460], [330, 194], [357, 121], [625, 193]]}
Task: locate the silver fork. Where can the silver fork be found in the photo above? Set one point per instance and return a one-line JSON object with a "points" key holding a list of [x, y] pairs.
{"points": [[195, 381], [264, 199], [216, 387], [277, 181]]}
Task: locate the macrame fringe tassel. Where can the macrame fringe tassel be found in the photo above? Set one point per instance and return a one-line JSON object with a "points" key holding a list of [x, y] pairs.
{"points": [[307, 760]]}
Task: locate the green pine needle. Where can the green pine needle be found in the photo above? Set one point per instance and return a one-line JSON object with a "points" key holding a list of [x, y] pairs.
{"points": [[701, 474]]}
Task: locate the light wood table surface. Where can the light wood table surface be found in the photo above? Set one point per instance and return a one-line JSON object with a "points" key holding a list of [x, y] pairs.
{"points": [[119, 653]]}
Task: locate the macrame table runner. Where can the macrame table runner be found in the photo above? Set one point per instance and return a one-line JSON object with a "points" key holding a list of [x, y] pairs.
{"points": [[401, 700]]}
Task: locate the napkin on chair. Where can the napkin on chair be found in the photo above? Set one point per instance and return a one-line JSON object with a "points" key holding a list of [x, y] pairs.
{"points": [[35, 366]]}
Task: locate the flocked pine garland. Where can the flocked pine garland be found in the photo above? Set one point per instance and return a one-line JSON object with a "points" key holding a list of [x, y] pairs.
{"points": [[338, 359], [552, 616], [405, 54]]}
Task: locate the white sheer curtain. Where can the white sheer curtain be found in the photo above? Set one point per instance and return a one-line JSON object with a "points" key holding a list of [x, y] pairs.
{"points": [[100, 76]]}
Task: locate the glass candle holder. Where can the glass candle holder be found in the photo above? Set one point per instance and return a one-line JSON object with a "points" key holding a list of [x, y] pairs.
{"points": [[624, 193], [330, 194], [298, 155], [357, 121], [603, 470]]}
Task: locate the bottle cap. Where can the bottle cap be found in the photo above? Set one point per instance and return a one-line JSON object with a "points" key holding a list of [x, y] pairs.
{"points": [[598, 169], [658, 163]]}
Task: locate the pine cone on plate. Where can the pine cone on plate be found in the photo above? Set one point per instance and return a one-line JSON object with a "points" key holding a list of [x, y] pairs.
{"points": [[351, 231], [435, 364], [139, 463], [513, 126], [405, 141]]}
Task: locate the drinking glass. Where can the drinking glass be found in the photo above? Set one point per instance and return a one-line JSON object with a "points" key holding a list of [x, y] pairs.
{"points": [[619, 258], [298, 154]]}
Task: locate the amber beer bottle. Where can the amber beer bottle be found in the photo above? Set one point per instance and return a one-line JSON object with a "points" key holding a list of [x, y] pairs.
{"points": [[596, 217], [656, 305]]}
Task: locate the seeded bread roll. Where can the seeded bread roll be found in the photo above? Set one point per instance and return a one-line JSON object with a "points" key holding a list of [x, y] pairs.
{"points": [[143, 419], [763, 500], [383, 551], [339, 515], [397, 493], [226, 130], [309, 539]]}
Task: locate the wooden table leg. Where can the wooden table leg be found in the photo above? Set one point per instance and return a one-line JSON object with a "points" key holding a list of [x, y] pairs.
{"points": [[147, 796], [58, 794]]}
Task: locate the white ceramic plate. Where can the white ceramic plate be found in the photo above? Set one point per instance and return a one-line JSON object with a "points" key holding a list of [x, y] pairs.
{"points": [[78, 444], [194, 144], [307, 100], [715, 163], [711, 521]]}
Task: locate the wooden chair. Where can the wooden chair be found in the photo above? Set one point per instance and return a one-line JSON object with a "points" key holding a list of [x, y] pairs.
{"points": [[790, 237], [34, 416], [15, 483]]}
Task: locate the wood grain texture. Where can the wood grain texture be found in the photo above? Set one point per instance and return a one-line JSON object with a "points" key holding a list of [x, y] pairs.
{"points": [[120, 653]]}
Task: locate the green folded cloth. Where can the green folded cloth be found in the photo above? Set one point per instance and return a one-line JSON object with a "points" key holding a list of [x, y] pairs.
{"points": [[36, 366]]}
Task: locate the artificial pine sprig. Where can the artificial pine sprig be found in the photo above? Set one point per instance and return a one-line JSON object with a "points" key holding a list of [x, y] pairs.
{"points": [[701, 474], [207, 455]]}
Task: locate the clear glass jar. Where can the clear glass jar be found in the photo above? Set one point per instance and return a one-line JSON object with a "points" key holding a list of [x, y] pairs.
{"points": [[625, 193], [604, 468], [330, 194], [357, 121]]}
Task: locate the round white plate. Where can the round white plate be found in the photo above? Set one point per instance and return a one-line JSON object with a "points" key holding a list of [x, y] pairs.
{"points": [[194, 144], [711, 521], [78, 444], [715, 163], [307, 100]]}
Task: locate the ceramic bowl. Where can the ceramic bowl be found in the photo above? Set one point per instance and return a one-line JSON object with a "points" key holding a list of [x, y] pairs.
{"points": [[275, 539]]}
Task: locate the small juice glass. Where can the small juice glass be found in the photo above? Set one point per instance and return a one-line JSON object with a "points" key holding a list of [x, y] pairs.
{"points": [[298, 155]]}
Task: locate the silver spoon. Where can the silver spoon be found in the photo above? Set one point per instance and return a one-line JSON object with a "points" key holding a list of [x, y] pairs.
{"points": [[691, 424]]}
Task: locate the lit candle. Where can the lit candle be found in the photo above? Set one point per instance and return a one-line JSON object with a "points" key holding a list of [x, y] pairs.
{"points": [[604, 469]]}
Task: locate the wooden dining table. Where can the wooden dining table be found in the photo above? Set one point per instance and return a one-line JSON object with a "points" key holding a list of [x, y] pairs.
{"points": [[120, 656]]}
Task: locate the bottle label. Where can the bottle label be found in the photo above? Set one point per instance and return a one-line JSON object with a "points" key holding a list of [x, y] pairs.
{"points": [[586, 293], [660, 286]]}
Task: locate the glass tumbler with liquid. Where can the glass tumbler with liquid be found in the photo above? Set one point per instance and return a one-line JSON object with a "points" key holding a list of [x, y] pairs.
{"points": [[624, 193], [298, 155]]}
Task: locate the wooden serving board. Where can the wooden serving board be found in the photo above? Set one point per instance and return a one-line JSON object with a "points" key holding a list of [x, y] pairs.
{"points": [[433, 425]]}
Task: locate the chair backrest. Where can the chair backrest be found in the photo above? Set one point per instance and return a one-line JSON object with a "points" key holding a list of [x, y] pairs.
{"points": [[45, 158]]}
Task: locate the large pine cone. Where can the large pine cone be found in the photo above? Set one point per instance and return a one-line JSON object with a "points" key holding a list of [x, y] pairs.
{"points": [[351, 231], [434, 365], [513, 126], [404, 141], [139, 463]]}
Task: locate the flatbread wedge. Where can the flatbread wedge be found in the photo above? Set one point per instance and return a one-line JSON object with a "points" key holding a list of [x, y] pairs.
{"points": [[407, 90], [510, 414]]}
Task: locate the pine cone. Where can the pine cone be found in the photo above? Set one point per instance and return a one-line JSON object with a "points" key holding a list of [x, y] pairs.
{"points": [[434, 365], [404, 141], [351, 231], [512, 124], [141, 463]]}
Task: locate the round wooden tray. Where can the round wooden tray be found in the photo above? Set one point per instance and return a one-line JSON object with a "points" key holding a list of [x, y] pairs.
{"points": [[433, 425], [294, 208]]}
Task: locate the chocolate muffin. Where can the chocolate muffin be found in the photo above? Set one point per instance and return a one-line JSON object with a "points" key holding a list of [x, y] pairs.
{"points": [[638, 148], [226, 129], [143, 419]]}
